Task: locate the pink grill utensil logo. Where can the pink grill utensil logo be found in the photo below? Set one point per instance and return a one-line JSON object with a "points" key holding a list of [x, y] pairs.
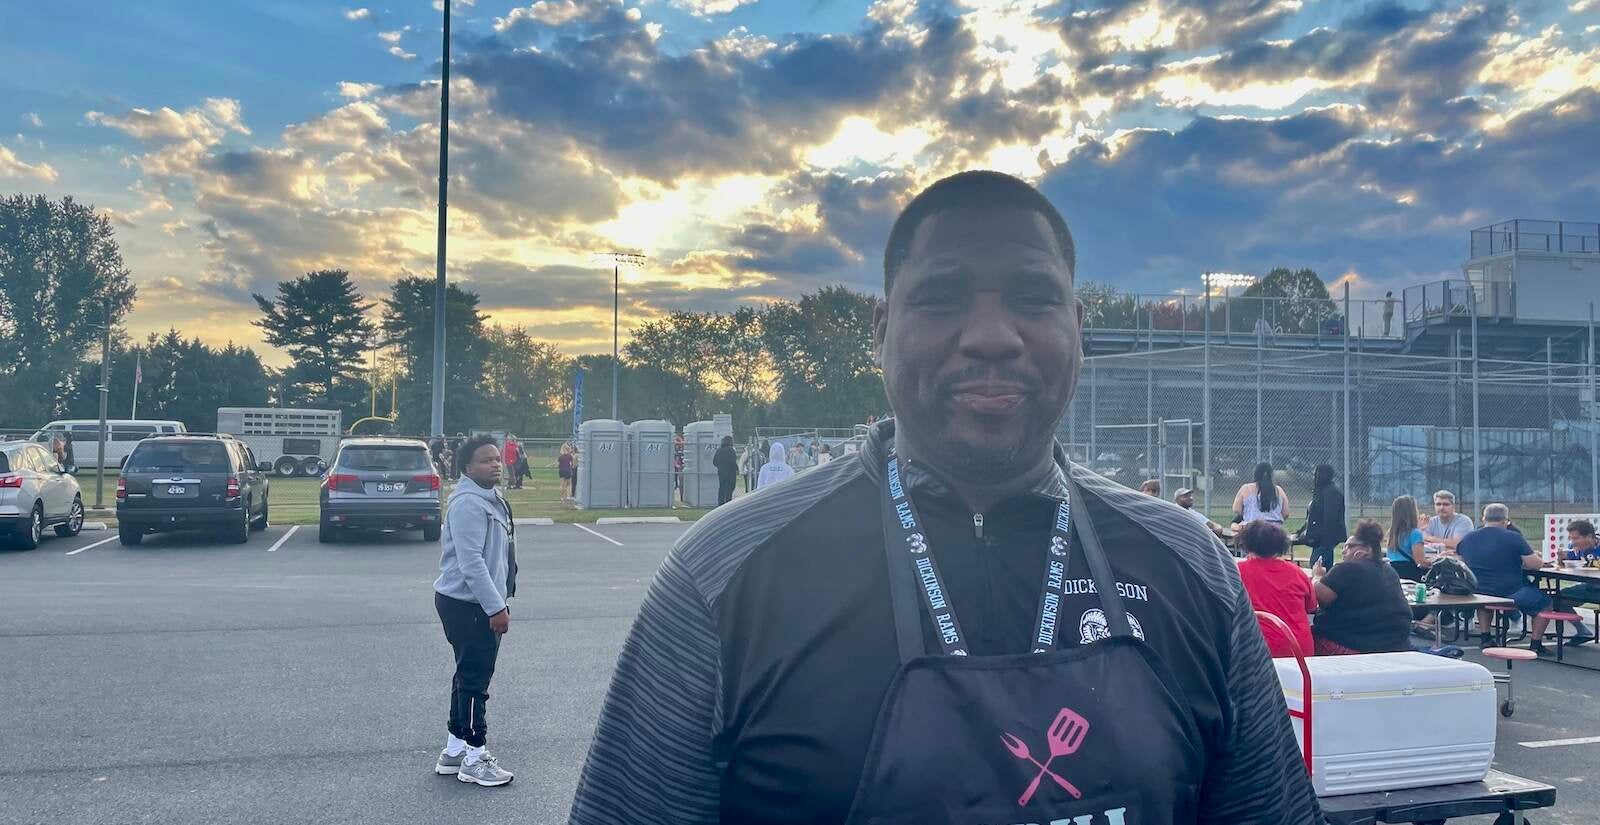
{"points": [[1065, 735]]}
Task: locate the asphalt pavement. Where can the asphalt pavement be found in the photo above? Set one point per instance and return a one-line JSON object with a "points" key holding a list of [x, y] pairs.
{"points": [[285, 681]]}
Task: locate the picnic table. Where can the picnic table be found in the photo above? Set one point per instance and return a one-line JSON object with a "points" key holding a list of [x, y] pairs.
{"points": [[1498, 793], [1577, 575], [1437, 602]]}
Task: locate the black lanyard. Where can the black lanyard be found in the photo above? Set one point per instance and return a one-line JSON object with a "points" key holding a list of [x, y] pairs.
{"points": [[900, 519]]}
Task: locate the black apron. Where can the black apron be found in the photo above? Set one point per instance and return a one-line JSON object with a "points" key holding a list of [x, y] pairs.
{"points": [[1091, 735]]}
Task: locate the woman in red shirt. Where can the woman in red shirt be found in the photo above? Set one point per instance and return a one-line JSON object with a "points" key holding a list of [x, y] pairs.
{"points": [[1277, 586]]}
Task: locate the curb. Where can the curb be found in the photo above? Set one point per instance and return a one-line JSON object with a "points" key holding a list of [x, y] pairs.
{"points": [[535, 522], [94, 525], [639, 520]]}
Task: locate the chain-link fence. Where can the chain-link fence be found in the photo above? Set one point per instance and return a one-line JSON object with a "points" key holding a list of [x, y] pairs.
{"points": [[1519, 432]]}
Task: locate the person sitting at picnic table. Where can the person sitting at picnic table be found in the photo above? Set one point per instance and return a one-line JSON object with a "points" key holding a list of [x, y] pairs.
{"points": [[1501, 560], [1261, 499], [1584, 546], [1363, 610], [1447, 527], [1404, 546], [1277, 586]]}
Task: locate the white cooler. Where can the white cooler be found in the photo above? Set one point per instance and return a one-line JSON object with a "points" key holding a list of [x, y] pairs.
{"points": [[1384, 721]]}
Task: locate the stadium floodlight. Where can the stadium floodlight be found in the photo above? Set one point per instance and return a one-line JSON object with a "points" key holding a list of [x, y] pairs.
{"points": [[1218, 281], [617, 260]]}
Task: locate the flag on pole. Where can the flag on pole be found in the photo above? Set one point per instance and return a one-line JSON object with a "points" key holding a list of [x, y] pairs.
{"points": [[138, 378]]}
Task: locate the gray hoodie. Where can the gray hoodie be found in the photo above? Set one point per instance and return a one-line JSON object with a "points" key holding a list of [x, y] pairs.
{"points": [[477, 560]]}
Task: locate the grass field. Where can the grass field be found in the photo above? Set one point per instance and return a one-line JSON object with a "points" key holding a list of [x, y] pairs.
{"points": [[294, 501]]}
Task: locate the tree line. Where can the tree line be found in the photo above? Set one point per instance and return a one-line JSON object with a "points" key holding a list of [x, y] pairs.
{"points": [[801, 362], [804, 361]]}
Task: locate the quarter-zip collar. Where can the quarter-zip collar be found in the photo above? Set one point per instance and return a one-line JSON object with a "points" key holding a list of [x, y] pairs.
{"points": [[925, 483]]}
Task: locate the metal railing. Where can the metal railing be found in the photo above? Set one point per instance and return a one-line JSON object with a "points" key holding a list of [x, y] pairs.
{"points": [[1443, 300], [1239, 317], [1536, 236]]}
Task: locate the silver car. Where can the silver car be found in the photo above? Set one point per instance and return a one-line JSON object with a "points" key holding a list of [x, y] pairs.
{"points": [[36, 493], [380, 484]]}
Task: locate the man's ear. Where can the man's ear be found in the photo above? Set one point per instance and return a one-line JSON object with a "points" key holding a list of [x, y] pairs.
{"points": [[880, 324]]}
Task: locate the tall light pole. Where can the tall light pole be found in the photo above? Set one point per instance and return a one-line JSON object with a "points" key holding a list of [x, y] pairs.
{"points": [[437, 421], [617, 260]]}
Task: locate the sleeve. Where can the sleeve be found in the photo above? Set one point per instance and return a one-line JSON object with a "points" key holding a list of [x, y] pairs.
{"points": [[1338, 579], [652, 759], [469, 530], [1255, 775], [1523, 548]]}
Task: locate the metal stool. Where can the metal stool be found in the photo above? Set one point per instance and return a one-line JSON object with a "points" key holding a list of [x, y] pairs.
{"points": [[1508, 655], [1502, 623], [1560, 617]]}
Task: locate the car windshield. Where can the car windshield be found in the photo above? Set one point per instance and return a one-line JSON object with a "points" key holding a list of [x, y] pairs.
{"points": [[384, 458], [199, 457]]}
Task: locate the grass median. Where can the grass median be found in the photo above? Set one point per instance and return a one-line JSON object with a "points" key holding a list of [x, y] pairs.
{"points": [[294, 501]]}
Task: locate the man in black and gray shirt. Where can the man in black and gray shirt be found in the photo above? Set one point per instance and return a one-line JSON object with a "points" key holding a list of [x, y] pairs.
{"points": [[477, 574], [798, 658]]}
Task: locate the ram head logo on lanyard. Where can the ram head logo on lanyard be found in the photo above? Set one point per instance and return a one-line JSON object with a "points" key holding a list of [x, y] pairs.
{"points": [[919, 544]]}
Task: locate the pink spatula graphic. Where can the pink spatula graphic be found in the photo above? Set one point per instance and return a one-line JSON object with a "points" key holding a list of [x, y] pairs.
{"points": [[1065, 736]]}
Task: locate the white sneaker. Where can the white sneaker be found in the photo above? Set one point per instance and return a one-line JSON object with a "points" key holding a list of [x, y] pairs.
{"points": [[486, 772]]}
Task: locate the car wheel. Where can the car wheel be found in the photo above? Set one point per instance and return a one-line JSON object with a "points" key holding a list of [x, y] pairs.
{"points": [[31, 531], [327, 533], [74, 522], [261, 522], [130, 536], [430, 532], [239, 532], [286, 467]]}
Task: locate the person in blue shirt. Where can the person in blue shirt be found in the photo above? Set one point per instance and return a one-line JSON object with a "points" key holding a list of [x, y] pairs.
{"points": [[1405, 540], [1583, 546], [1500, 559]]}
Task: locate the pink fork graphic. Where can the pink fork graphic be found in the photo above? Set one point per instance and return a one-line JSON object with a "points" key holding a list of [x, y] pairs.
{"points": [[1065, 736]]}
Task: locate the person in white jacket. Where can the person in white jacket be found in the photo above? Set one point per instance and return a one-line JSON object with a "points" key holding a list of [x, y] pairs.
{"points": [[477, 574], [776, 469]]}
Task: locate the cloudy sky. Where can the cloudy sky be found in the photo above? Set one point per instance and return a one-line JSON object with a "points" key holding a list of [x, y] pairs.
{"points": [[756, 149]]}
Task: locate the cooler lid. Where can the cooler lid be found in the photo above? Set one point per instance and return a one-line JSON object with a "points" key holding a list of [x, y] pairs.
{"points": [[1372, 675]]}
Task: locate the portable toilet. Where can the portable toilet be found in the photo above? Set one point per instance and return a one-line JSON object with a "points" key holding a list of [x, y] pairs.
{"points": [[650, 464], [700, 443], [601, 453], [723, 424]]}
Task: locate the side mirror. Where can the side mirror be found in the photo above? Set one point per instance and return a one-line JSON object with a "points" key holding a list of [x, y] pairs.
{"points": [[264, 466]]}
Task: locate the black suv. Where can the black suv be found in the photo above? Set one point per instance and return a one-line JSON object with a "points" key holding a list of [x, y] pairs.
{"points": [[190, 481]]}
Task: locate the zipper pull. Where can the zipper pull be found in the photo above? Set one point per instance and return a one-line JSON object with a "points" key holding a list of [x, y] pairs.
{"points": [[977, 525]]}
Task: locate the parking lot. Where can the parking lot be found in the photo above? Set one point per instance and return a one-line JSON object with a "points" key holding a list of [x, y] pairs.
{"points": [[285, 681]]}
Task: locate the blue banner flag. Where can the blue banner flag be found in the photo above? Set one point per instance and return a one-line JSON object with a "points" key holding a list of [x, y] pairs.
{"points": [[577, 402]]}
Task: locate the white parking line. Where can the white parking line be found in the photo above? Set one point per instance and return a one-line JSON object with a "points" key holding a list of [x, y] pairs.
{"points": [[283, 538], [90, 546], [601, 535], [1556, 743]]}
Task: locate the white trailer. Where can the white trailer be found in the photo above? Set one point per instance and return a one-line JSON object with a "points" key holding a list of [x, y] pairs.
{"points": [[293, 441]]}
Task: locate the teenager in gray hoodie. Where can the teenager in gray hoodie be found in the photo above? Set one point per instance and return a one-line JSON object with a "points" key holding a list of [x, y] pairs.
{"points": [[477, 573]]}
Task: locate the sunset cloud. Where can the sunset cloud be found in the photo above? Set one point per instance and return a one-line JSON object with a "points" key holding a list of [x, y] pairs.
{"points": [[755, 162]]}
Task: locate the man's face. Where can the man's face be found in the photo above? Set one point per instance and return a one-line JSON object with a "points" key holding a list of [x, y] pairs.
{"points": [[484, 465], [1582, 543], [1444, 508], [978, 341], [1186, 501]]}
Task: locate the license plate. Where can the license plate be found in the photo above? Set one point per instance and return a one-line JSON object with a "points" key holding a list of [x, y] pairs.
{"points": [[391, 486], [176, 490]]}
